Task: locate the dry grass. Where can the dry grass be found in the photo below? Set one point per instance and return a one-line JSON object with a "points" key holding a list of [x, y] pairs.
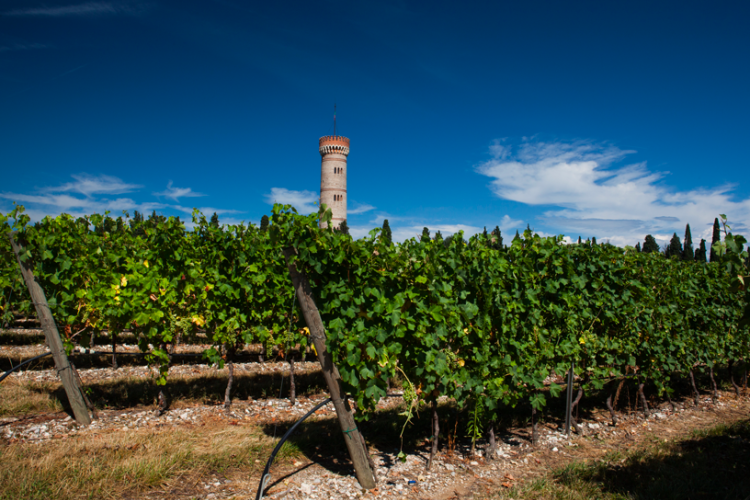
{"points": [[135, 464], [19, 398]]}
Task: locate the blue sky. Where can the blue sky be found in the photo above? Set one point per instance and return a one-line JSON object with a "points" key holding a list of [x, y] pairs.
{"points": [[603, 119]]}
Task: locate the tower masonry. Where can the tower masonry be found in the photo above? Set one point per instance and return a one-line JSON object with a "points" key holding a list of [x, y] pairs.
{"points": [[334, 149]]}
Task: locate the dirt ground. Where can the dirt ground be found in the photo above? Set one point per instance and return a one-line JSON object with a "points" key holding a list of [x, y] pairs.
{"points": [[316, 466]]}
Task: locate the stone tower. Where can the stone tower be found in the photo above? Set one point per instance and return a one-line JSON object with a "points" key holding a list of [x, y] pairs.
{"points": [[334, 149]]}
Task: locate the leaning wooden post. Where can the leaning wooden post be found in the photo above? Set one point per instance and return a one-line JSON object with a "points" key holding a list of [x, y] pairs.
{"points": [[64, 370], [354, 442]]}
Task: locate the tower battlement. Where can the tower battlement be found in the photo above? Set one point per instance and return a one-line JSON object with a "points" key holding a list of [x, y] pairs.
{"points": [[333, 144]]}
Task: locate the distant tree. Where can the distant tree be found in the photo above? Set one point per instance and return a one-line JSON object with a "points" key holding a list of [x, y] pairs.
{"points": [[214, 220], [343, 228], [517, 236], [155, 219], [484, 234], [264, 224], [638, 247], [700, 254], [438, 236], [496, 239], [593, 241], [447, 241], [687, 251], [675, 247], [136, 224], [716, 237], [425, 234], [650, 244], [137, 219], [386, 235], [579, 240]]}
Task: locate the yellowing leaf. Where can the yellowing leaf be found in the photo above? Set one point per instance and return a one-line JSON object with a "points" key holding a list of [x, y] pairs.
{"points": [[461, 362], [123, 281], [145, 263], [198, 320]]}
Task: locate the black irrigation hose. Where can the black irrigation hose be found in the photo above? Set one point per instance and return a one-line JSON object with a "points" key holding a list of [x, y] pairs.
{"points": [[266, 476], [24, 363]]}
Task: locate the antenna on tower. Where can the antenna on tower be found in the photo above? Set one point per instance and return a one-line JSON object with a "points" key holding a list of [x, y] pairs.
{"points": [[334, 119]]}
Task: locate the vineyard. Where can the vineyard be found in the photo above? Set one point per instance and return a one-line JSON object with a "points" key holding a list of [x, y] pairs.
{"points": [[486, 326]]}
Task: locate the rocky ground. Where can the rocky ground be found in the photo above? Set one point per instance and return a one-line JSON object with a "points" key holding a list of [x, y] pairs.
{"points": [[455, 474]]}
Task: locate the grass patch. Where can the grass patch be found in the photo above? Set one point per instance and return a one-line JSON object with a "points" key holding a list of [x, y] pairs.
{"points": [[131, 464], [24, 398], [711, 464]]}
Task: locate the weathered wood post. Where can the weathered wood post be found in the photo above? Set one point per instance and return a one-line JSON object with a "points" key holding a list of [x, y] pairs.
{"points": [[64, 369], [354, 441]]}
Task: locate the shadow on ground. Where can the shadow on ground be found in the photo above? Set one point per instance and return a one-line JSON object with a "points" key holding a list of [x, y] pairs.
{"points": [[713, 464]]}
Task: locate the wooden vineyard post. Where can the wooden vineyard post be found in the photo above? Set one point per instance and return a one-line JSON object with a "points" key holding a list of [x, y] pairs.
{"points": [[354, 442], [64, 369], [569, 399]]}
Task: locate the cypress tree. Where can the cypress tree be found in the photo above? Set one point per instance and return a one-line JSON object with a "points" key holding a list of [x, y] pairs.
{"points": [[593, 241], [214, 220], [638, 247], [675, 247], [579, 240], [650, 244], [425, 234], [484, 234], [264, 224], [687, 252], [344, 228], [438, 236], [386, 235], [716, 237], [137, 219], [517, 236], [700, 254], [497, 238]]}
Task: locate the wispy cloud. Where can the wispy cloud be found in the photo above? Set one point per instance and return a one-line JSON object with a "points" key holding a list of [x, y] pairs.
{"points": [[89, 185], [83, 9], [175, 193], [89, 194], [360, 209], [23, 46], [592, 195], [303, 201]]}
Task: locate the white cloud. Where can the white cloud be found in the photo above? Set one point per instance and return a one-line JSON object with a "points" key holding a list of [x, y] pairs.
{"points": [[403, 228], [83, 9], [303, 201], [89, 185], [404, 233], [93, 194], [360, 209], [175, 193], [619, 204]]}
